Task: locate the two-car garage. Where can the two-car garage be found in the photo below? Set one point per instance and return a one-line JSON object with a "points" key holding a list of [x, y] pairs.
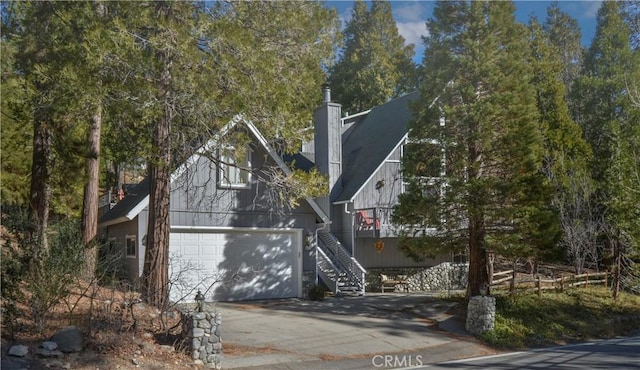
{"points": [[235, 264]]}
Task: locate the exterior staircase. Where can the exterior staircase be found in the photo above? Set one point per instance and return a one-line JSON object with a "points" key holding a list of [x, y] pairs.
{"points": [[337, 268]]}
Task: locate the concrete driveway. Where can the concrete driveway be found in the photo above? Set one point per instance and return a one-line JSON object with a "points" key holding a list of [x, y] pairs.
{"points": [[375, 331]]}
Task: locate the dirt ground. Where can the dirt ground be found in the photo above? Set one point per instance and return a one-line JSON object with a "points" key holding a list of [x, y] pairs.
{"points": [[120, 332]]}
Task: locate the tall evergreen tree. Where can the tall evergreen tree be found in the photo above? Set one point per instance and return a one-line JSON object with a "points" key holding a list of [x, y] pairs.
{"points": [[473, 165], [375, 65], [564, 33], [15, 135], [566, 153], [631, 13], [45, 42], [611, 127]]}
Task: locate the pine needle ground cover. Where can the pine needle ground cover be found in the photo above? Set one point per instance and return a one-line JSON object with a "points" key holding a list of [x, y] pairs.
{"points": [[526, 320]]}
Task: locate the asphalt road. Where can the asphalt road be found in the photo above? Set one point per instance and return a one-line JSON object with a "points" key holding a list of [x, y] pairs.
{"points": [[617, 354]]}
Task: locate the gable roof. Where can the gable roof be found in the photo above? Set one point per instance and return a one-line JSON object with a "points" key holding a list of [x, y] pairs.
{"points": [[126, 209], [369, 142], [129, 207]]}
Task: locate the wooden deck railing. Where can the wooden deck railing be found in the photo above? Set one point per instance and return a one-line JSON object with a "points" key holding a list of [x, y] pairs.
{"points": [[513, 283]]}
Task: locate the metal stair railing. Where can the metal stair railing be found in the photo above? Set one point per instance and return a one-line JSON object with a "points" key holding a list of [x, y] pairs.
{"points": [[325, 267], [343, 260]]}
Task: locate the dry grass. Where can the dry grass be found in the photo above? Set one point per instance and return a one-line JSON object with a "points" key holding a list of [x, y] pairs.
{"points": [[119, 332], [578, 314]]}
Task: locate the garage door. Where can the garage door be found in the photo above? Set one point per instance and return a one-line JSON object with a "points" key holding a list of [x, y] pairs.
{"points": [[235, 265]]}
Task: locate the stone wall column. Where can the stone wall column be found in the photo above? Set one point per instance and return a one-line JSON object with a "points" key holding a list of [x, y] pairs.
{"points": [[481, 314], [202, 335]]}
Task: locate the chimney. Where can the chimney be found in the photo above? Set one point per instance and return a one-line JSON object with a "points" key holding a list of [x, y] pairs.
{"points": [[326, 93], [328, 145]]}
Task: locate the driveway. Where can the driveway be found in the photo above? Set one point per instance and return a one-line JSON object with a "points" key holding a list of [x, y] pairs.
{"points": [[374, 331]]}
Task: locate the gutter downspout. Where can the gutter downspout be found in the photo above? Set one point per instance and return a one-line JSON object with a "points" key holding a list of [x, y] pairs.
{"points": [[353, 228]]}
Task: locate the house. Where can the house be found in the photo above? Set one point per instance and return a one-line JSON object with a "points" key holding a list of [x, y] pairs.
{"points": [[226, 243]]}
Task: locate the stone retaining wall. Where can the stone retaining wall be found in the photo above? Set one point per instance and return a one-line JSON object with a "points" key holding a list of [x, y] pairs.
{"points": [[442, 277], [202, 337]]}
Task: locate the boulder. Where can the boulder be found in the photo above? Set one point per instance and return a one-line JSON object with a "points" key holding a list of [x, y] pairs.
{"points": [[68, 339], [18, 351], [48, 353], [49, 346]]}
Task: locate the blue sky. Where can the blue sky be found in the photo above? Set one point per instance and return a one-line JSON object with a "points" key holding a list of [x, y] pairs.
{"points": [[411, 16]]}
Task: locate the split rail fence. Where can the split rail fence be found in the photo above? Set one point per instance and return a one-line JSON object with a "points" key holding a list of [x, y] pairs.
{"points": [[512, 283]]}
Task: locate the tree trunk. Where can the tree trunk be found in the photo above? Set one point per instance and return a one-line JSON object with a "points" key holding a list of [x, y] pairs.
{"points": [[90, 202], [478, 277], [40, 194], [156, 261]]}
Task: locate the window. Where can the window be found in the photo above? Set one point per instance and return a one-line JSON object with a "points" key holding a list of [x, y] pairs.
{"points": [[460, 257], [130, 245], [234, 167]]}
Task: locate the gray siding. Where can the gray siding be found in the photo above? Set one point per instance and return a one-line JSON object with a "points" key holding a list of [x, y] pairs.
{"points": [[386, 196], [197, 200], [390, 257], [118, 234]]}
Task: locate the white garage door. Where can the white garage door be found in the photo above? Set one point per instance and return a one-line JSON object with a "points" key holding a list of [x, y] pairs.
{"points": [[235, 265]]}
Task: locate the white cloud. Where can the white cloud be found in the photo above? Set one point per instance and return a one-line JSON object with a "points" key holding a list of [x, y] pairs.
{"points": [[413, 31], [409, 12], [345, 16], [590, 9], [581, 9]]}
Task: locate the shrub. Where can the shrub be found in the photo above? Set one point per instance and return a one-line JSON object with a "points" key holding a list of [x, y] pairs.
{"points": [[316, 292], [39, 282], [56, 271]]}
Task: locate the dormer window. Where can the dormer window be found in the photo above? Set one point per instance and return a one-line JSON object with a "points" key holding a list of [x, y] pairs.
{"points": [[235, 167]]}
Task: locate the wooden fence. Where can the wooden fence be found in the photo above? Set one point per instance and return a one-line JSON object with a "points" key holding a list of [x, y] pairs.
{"points": [[512, 283]]}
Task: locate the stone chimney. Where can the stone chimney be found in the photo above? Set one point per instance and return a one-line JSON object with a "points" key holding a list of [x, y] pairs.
{"points": [[328, 144]]}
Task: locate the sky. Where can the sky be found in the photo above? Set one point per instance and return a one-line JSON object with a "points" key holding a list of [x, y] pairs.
{"points": [[411, 16]]}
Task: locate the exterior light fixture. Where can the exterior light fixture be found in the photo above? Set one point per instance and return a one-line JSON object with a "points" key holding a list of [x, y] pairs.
{"points": [[199, 301]]}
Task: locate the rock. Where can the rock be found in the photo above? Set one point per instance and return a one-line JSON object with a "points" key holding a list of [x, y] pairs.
{"points": [[148, 348], [42, 352], [57, 364], [146, 335], [198, 362], [18, 351], [167, 348], [68, 339], [135, 361], [49, 346]]}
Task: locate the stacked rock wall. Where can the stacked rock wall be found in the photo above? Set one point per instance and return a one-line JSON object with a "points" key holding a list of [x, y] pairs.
{"points": [[481, 314], [442, 277], [202, 337]]}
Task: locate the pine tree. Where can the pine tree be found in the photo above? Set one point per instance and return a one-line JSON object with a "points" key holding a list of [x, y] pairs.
{"points": [[15, 135], [564, 34], [45, 41], [631, 13], [376, 65], [566, 153], [610, 124], [473, 164]]}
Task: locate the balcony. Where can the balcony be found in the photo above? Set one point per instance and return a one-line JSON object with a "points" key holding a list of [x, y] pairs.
{"points": [[374, 223]]}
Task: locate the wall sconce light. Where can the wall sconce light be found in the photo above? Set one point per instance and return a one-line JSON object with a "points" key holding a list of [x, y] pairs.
{"points": [[199, 301]]}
